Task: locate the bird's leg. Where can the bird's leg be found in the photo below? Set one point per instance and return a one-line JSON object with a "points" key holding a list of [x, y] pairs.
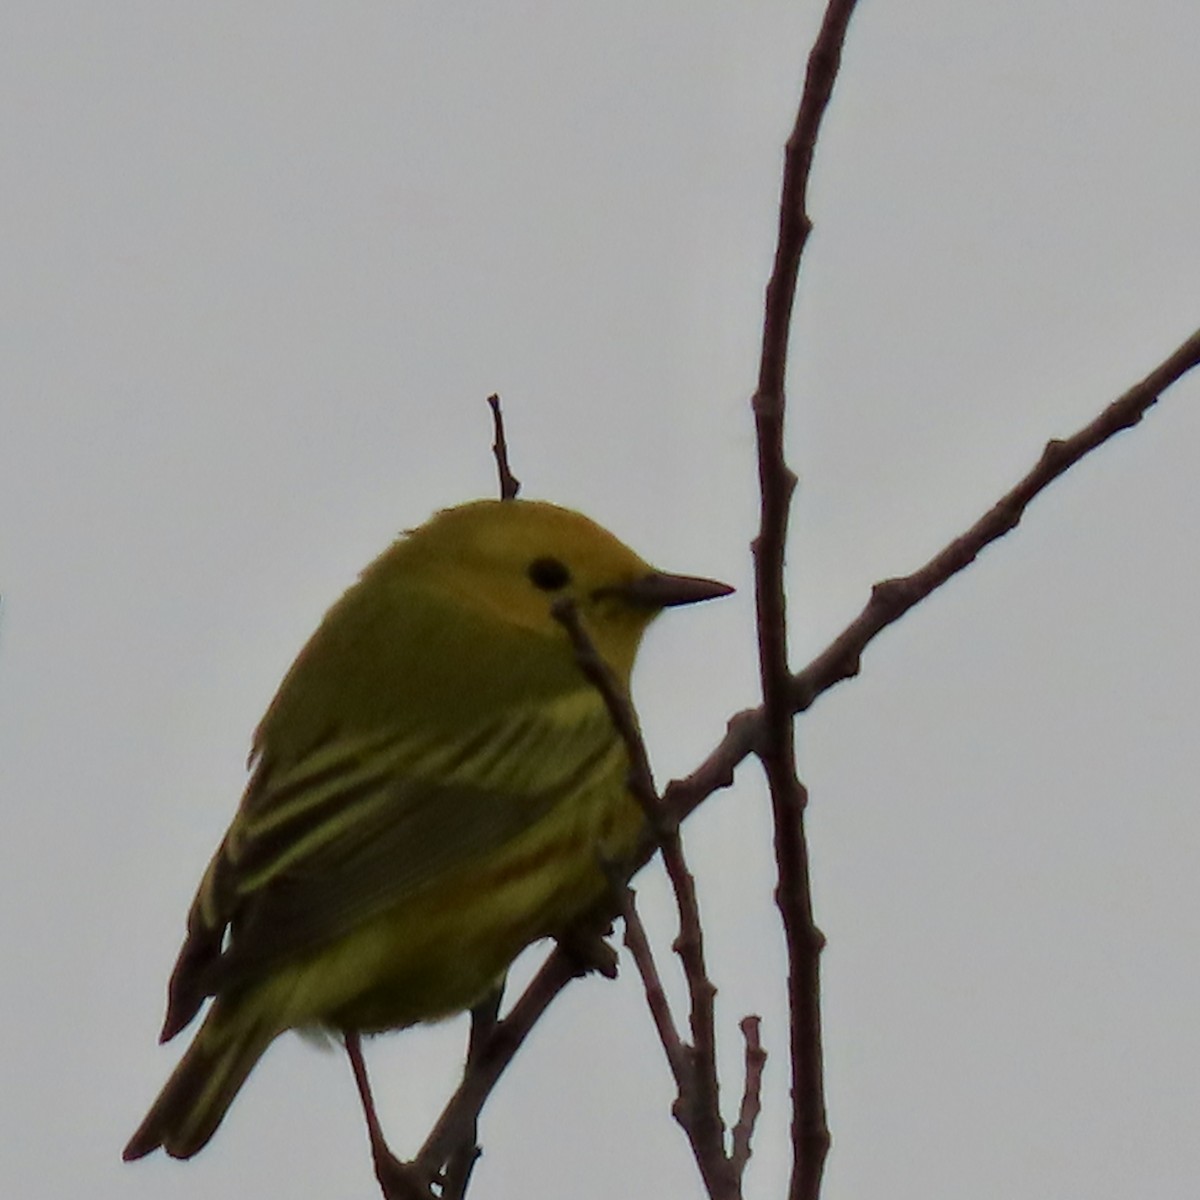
{"points": [[584, 944], [397, 1180], [583, 941]]}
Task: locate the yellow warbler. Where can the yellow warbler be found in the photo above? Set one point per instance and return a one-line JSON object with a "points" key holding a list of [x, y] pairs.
{"points": [[434, 787]]}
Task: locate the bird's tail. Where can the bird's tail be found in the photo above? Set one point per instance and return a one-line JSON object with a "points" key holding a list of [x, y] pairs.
{"points": [[195, 1098]]}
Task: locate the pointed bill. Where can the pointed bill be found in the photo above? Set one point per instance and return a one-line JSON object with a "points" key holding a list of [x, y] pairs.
{"points": [[660, 590]]}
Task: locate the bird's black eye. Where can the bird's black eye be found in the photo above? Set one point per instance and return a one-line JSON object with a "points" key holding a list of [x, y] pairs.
{"points": [[549, 574]]}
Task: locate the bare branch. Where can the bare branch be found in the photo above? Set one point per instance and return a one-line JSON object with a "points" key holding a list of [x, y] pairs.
{"points": [[638, 945], [510, 485], [824, 62], [776, 746], [599, 675], [462, 1159], [743, 737], [700, 1102], [698, 1105], [892, 598], [483, 1072], [756, 1060]]}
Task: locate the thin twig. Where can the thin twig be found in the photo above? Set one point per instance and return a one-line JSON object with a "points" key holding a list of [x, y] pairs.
{"points": [[756, 1060], [638, 945], [892, 598], [481, 1076], [793, 895], [462, 1159], [697, 1108], [703, 1098], [510, 485], [600, 676]]}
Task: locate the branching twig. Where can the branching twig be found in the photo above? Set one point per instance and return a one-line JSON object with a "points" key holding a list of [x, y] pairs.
{"points": [[702, 1099], [697, 1108], [463, 1157], [776, 749], [510, 485], [892, 598]]}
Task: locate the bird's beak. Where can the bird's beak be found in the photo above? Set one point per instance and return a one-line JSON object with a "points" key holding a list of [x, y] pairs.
{"points": [[660, 590]]}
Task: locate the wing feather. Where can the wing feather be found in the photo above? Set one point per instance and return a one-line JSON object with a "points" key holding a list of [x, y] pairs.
{"points": [[317, 864]]}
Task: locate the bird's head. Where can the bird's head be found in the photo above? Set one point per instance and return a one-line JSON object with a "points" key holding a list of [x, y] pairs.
{"points": [[513, 559]]}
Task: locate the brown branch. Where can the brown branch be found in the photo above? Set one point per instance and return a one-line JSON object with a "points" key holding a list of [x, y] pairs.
{"points": [[462, 1158], [776, 745], [743, 737], [697, 1107], [824, 61], [638, 945], [756, 1060], [600, 676], [510, 485], [700, 1102], [892, 598], [483, 1073]]}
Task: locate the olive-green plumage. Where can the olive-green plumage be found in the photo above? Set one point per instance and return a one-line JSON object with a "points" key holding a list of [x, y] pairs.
{"points": [[434, 787]]}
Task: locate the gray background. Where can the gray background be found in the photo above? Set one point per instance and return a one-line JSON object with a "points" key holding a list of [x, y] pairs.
{"points": [[259, 266]]}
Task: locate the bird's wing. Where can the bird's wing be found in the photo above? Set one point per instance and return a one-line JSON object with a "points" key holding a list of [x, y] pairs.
{"points": [[360, 824]]}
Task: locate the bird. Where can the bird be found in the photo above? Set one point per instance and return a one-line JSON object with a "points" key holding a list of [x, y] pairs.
{"points": [[434, 787]]}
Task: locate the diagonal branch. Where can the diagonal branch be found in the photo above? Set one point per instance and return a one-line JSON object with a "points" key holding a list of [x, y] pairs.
{"points": [[892, 598], [697, 1108], [600, 676], [638, 944], [459, 1118]]}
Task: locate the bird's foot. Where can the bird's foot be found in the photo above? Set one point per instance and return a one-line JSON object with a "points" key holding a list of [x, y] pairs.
{"points": [[586, 947]]}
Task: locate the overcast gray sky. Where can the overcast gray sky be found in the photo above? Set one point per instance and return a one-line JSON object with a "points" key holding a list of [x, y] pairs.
{"points": [[260, 265]]}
